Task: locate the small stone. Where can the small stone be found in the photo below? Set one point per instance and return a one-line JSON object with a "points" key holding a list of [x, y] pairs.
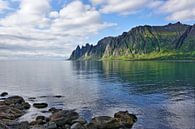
{"points": [[40, 118], [67, 126], [53, 109], [3, 94], [51, 125], [58, 96], [40, 105], [77, 126]]}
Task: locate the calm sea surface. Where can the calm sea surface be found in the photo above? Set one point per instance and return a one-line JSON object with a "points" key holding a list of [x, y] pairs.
{"points": [[160, 93]]}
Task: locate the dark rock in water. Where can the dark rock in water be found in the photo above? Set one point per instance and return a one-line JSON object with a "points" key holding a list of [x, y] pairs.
{"points": [[125, 118], [44, 111], [3, 94], [40, 118], [21, 125], [51, 125], [14, 107], [58, 96], [17, 102], [10, 113], [31, 99], [39, 127], [77, 126], [53, 109], [90, 126], [105, 122], [80, 120], [122, 119], [40, 105], [64, 117], [14, 100], [26, 105], [66, 126], [11, 109]]}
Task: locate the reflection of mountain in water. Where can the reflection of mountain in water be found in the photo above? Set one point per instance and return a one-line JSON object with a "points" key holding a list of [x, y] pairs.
{"points": [[144, 76], [160, 93]]}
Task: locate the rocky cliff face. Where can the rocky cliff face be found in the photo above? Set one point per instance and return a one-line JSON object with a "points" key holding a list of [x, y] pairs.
{"points": [[141, 40]]}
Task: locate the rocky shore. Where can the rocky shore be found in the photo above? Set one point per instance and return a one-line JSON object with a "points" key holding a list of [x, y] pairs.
{"points": [[13, 107]]}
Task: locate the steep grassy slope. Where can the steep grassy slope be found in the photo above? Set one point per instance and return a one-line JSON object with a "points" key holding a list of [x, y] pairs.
{"points": [[172, 41]]}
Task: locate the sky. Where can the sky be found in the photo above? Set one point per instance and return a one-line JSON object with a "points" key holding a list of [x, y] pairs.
{"points": [[51, 29]]}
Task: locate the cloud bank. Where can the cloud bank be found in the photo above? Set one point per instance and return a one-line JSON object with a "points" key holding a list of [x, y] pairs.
{"points": [[35, 29]]}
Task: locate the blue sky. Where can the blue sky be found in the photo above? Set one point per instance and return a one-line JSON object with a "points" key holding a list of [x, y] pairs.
{"points": [[53, 28]]}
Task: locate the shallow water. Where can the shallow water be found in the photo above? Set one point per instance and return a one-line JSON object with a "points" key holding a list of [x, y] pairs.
{"points": [[160, 93]]}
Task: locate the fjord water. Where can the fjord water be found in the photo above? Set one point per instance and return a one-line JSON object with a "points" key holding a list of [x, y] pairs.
{"points": [[160, 93]]}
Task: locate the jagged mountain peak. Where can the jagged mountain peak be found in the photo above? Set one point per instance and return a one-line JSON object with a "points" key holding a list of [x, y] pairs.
{"points": [[141, 40]]}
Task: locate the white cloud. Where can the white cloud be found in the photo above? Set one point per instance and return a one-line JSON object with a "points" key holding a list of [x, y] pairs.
{"points": [[30, 13], [3, 5], [176, 10], [124, 7], [34, 29], [179, 10]]}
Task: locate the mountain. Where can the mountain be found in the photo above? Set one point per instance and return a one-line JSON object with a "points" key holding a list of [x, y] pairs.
{"points": [[172, 41]]}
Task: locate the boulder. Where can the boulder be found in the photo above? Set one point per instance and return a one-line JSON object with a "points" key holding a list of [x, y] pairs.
{"points": [[80, 120], [19, 125], [3, 94], [7, 112], [105, 122], [126, 119], [53, 110], [14, 100], [77, 126], [40, 105], [51, 125], [3, 126], [40, 118], [64, 117]]}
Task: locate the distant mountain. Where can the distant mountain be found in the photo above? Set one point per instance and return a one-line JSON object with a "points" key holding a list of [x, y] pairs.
{"points": [[172, 41]]}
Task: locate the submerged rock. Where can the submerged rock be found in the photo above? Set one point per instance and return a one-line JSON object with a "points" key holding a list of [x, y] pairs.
{"points": [[3, 94], [40, 105]]}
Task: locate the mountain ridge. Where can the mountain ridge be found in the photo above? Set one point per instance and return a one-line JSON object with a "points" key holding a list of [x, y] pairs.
{"points": [[142, 42]]}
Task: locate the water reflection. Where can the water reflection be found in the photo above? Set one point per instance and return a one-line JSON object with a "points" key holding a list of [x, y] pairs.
{"points": [[160, 93]]}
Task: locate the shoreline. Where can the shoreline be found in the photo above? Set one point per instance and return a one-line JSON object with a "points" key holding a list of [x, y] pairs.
{"points": [[14, 107]]}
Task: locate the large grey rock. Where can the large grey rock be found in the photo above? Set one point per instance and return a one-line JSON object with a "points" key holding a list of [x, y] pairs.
{"points": [[64, 117], [126, 119], [77, 126], [105, 122]]}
